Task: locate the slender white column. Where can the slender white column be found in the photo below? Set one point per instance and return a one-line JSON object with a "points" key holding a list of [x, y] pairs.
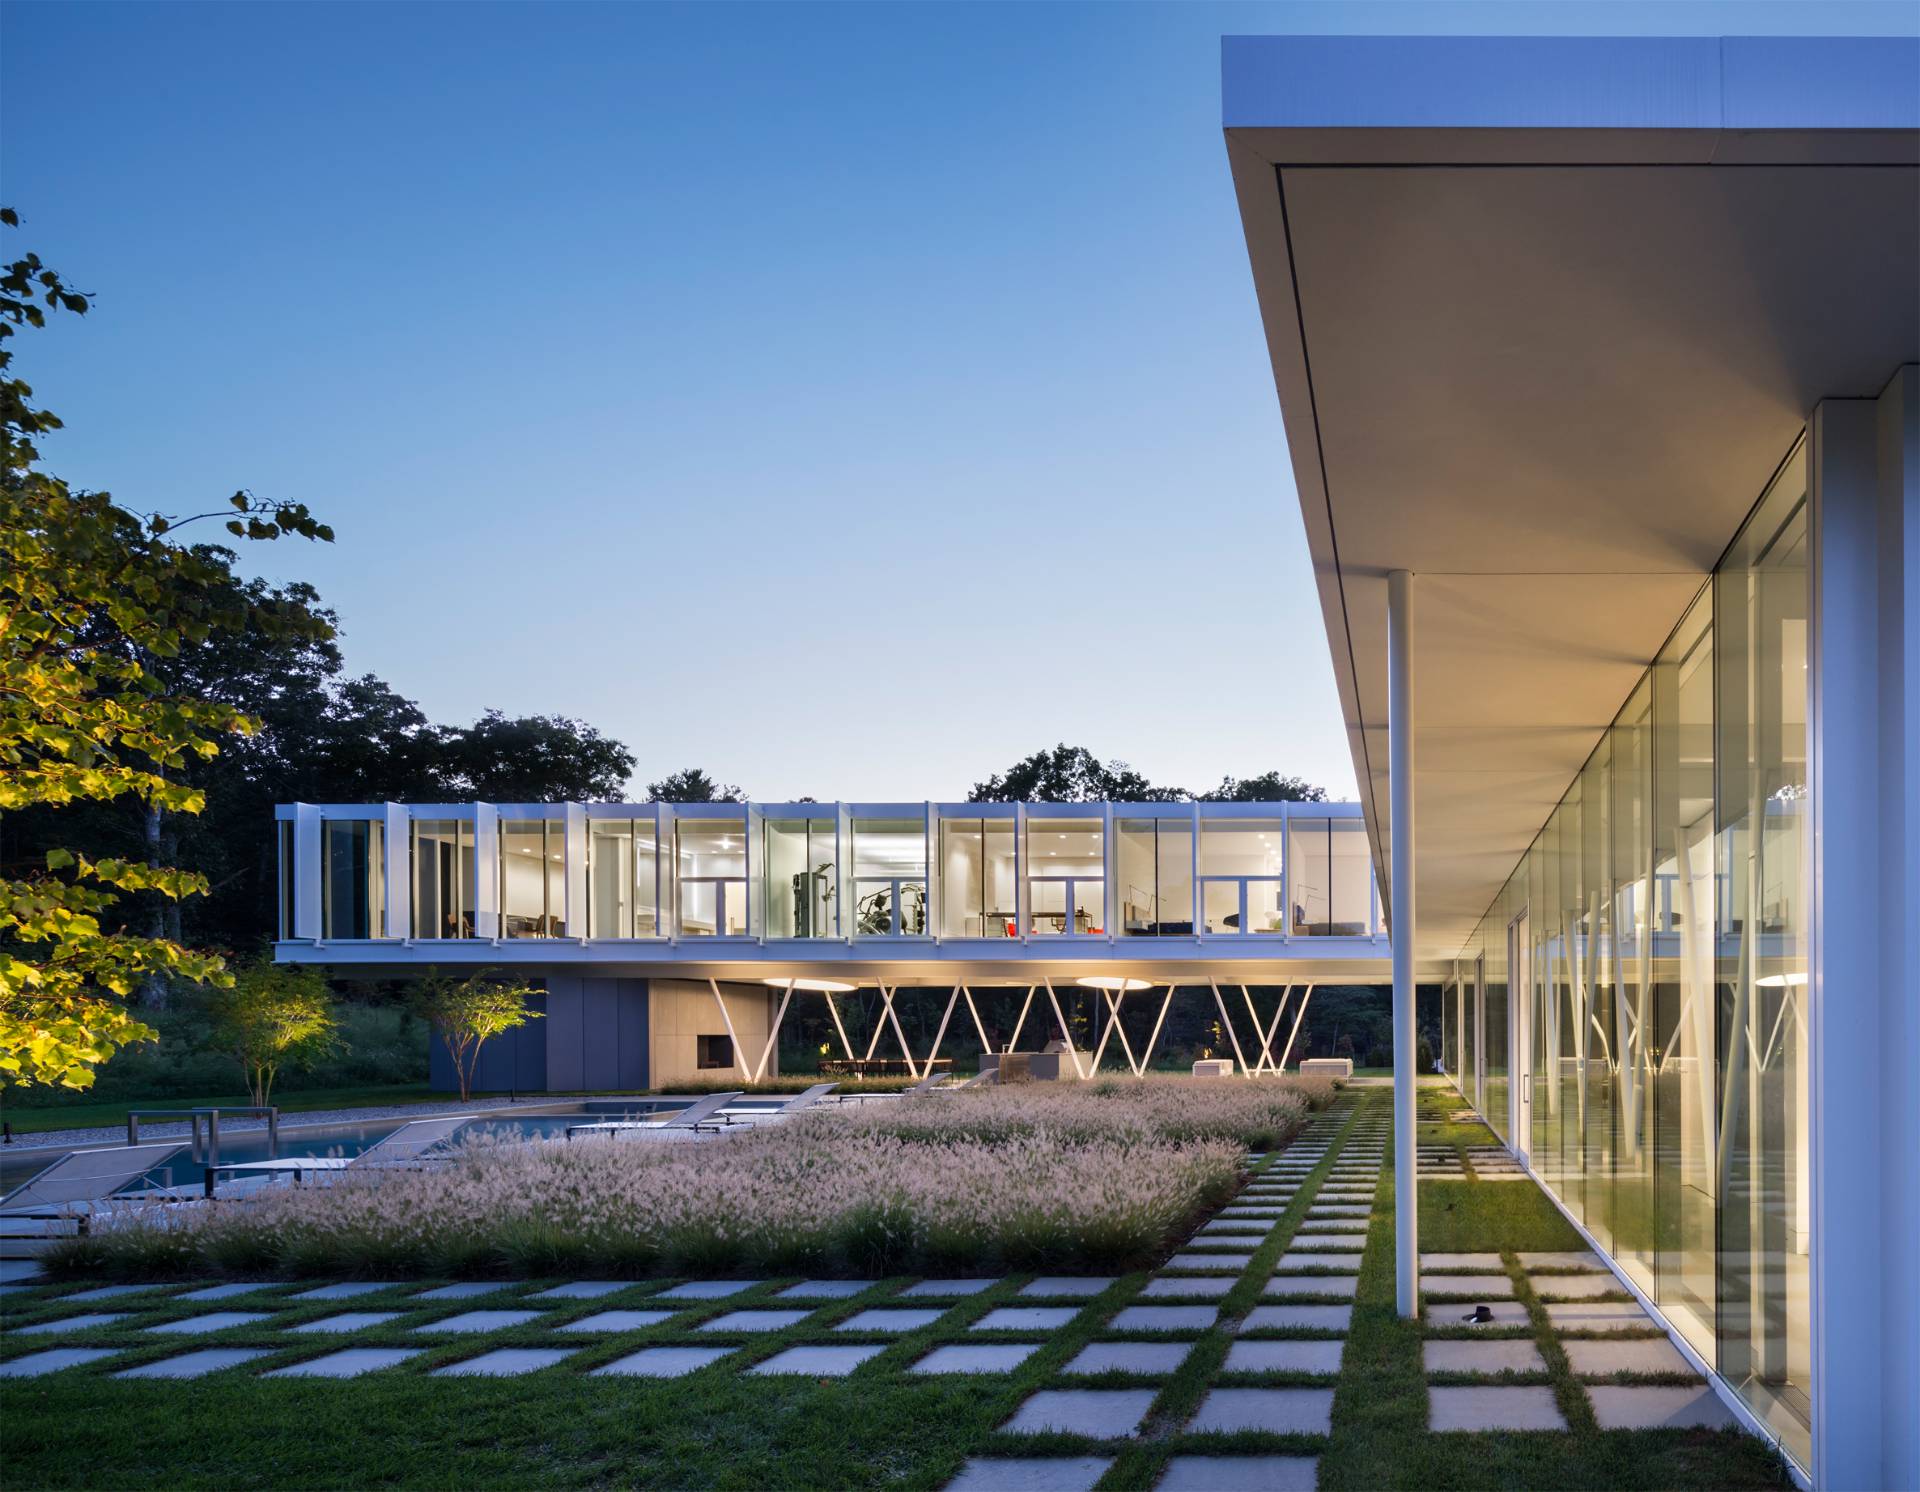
{"points": [[1406, 1206]]}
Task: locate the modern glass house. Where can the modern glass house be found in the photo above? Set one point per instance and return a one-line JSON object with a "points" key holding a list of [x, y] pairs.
{"points": [[669, 936], [1597, 360]]}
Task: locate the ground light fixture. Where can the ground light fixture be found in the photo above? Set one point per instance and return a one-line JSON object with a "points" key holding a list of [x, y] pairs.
{"points": [[1111, 981], [820, 986]]}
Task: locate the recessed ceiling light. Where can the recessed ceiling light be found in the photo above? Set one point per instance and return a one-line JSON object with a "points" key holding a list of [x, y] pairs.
{"points": [[1110, 981]]}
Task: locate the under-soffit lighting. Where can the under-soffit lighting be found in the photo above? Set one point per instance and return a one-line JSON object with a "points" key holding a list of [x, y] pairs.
{"points": [[1110, 981], [821, 986], [1780, 981]]}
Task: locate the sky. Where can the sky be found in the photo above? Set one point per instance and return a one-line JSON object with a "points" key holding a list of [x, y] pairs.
{"points": [[847, 400]]}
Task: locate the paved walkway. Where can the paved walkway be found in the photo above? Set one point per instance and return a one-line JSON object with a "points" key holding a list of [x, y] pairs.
{"points": [[1218, 1371]]}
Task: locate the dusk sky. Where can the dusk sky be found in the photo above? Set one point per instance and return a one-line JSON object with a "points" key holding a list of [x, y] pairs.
{"points": [[848, 401]]}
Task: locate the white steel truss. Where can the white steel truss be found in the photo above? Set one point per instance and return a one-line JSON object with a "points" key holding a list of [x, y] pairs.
{"points": [[1264, 1061]]}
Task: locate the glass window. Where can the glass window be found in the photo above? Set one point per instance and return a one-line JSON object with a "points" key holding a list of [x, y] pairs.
{"points": [[890, 878], [1760, 801], [353, 888], [610, 878], [1349, 878], [803, 878], [1683, 912], [648, 857], [443, 878], [1632, 880], [1066, 876], [1310, 875], [1240, 881], [1154, 877], [286, 828], [533, 878], [712, 876], [977, 888]]}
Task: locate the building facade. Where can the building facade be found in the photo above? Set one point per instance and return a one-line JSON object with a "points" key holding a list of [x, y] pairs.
{"points": [[1598, 365], [672, 940]]}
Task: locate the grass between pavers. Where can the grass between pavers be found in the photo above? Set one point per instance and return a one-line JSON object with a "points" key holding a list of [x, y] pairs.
{"points": [[560, 1426], [1380, 1437], [1460, 1217]]}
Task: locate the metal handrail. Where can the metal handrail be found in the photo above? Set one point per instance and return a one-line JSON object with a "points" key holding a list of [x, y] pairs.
{"points": [[210, 1156]]}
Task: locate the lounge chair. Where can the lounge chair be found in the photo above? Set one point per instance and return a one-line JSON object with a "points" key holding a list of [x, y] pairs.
{"points": [[406, 1144], [983, 1078], [705, 1114], [793, 1105], [71, 1185]]}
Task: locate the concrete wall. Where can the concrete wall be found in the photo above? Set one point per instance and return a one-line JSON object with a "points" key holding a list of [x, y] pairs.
{"points": [[683, 1009]]}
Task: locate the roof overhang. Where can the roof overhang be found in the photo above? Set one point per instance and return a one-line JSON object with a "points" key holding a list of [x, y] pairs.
{"points": [[1544, 316]]}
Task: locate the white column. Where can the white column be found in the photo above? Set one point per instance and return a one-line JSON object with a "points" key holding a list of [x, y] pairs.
{"points": [[1406, 1206], [1864, 1046]]}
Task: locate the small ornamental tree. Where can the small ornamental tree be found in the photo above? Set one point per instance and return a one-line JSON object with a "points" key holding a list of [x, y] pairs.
{"points": [[467, 1013], [270, 1015]]}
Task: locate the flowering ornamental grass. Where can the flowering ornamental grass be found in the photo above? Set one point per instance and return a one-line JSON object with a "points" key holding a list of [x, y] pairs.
{"points": [[1098, 1177], [779, 1201], [1261, 1114]]}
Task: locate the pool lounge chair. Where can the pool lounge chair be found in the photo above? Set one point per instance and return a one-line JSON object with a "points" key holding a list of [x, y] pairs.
{"points": [[703, 1115], [69, 1188], [404, 1148], [793, 1105]]}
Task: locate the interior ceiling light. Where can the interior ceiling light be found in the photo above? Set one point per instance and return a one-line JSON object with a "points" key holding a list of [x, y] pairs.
{"points": [[1111, 981], [823, 986]]}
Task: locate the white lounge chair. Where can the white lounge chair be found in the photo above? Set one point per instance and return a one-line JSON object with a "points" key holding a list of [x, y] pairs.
{"points": [[705, 1114], [408, 1143], [794, 1105], [69, 1187]]}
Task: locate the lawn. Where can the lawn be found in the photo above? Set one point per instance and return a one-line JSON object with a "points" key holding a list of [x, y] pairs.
{"points": [[882, 1427]]}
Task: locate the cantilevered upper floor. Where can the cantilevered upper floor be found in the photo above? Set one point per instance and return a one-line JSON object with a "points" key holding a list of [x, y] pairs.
{"points": [[724, 887]]}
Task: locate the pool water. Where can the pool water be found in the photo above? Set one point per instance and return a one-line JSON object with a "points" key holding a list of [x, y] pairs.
{"points": [[541, 1122]]}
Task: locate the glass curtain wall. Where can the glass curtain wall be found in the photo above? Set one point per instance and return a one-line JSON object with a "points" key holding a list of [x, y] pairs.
{"points": [[1154, 870], [533, 878], [288, 860], [353, 882], [1760, 800], [1066, 876], [1665, 909], [711, 875], [890, 878], [1240, 873], [444, 878], [803, 878], [978, 891], [623, 878]]}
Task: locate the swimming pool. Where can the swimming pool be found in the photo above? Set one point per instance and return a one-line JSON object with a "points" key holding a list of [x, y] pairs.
{"points": [[531, 1122]]}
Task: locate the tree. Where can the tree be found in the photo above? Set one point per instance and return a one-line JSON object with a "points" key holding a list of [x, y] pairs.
{"points": [[90, 594], [1268, 787], [692, 786], [272, 1014], [1070, 774], [534, 759], [467, 1013]]}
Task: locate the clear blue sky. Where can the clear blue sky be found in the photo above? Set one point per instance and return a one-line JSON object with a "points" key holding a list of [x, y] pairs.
{"points": [[848, 400]]}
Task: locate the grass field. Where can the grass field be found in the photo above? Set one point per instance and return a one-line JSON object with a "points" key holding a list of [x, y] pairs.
{"points": [[883, 1427]]}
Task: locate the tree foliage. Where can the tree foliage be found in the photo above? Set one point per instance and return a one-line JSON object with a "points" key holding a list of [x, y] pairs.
{"points": [[467, 1013], [692, 786], [93, 599], [271, 1014], [1073, 774], [1268, 787]]}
